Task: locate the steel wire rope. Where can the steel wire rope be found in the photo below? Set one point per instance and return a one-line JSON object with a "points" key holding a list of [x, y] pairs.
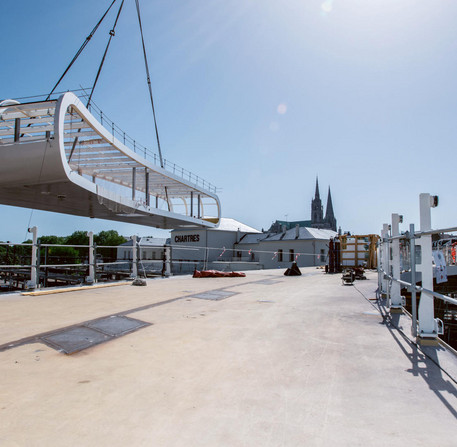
{"points": [[148, 79], [112, 33], [81, 49], [75, 57]]}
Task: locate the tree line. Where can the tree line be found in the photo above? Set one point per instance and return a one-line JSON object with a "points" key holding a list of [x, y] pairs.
{"points": [[21, 255]]}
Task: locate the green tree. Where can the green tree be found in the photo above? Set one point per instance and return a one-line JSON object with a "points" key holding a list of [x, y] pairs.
{"points": [[79, 238], [110, 238]]}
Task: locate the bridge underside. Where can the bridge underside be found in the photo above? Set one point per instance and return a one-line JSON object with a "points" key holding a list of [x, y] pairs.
{"points": [[65, 198]]}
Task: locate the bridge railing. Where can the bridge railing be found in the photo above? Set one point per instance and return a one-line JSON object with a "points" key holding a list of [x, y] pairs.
{"points": [[414, 249], [27, 263]]}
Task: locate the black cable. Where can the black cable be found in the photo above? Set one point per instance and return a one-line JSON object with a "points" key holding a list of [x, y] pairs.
{"points": [[88, 38], [149, 81], [111, 35]]}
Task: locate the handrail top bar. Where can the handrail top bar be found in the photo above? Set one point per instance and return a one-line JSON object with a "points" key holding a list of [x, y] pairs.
{"points": [[421, 289], [418, 234]]}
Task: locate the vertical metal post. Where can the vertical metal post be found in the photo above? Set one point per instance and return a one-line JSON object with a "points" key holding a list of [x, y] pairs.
{"points": [[91, 278], [395, 304], [134, 257], [199, 203], [32, 284], [17, 129], [412, 252], [167, 262], [426, 313], [133, 183], [191, 204], [385, 260], [146, 179], [157, 201]]}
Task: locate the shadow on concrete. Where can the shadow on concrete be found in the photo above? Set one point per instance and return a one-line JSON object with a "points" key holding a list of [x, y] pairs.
{"points": [[424, 360]]}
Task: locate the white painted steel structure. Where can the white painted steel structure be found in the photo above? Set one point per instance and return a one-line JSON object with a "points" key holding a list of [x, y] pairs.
{"points": [[56, 156], [428, 326]]}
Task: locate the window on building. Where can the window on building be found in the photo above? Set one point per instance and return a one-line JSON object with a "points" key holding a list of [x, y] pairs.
{"points": [[322, 255], [279, 255], [291, 255]]}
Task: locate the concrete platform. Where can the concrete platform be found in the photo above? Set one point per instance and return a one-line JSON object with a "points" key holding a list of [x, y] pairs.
{"points": [[285, 361]]}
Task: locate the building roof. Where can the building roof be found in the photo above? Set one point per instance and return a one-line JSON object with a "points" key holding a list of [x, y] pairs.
{"points": [[303, 234], [252, 238], [228, 224]]}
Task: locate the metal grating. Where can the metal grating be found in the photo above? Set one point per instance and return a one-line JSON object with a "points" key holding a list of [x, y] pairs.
{"points": [[116, 326], [74, 340], [213, 295], [92, 333]]}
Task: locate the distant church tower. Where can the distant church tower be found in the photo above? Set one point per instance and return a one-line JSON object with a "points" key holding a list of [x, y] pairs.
{"points": [[317, 213], [329, 216]]}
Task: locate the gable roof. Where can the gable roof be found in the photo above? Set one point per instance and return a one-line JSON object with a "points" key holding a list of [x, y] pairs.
{"points": [[303, 234]]}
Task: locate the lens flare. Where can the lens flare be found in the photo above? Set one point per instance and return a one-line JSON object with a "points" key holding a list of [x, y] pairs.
{"points": [[282, 109], [327, 6]]}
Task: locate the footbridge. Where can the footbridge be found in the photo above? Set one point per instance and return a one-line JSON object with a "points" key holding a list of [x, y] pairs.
{"points": [[57, 156]]}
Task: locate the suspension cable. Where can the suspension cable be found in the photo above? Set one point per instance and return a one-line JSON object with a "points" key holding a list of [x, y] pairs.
{"points": [[149, 81], [111, 35], [88, 38]]}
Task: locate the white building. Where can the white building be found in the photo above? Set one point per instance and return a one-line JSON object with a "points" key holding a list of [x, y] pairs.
{"points": [[149, 248], [205, 248], [308, 246]]}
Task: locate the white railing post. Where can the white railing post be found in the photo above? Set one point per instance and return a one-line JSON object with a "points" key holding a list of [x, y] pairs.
{"points": [[32, 284], [428, 326], [167, 262], [91, 278], [395, 291], [385, 254], [134, 257]]}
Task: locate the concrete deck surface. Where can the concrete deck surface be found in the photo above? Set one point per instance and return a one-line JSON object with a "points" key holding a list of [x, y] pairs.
{"points": [[303, 361]]}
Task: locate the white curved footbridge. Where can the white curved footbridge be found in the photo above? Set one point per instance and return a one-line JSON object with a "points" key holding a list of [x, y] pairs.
{"points": [[55, 156]]}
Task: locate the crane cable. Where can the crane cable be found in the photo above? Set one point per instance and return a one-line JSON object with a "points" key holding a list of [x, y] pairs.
{"points": [[111, 35], [88, 38], [150, 96], [149, 81]]}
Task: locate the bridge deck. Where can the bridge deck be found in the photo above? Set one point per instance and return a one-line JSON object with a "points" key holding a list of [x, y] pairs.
{"points": [[282, 362]]}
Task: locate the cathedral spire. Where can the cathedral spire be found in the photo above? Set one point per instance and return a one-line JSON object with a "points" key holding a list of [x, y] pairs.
{"points": [[329, 215], [329, 210], [317, 213], [316, 195]]}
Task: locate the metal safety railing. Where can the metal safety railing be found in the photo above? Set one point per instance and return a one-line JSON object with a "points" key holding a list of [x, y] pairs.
{"points": [[393, 249], [32, 262]]}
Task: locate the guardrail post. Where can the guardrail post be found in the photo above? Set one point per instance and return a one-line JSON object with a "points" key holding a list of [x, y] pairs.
{"points": [[412, 253], [91, 278], [134, 257], [385, 261], [167, 261], [395, 292], [428, 327], [32, 284]]}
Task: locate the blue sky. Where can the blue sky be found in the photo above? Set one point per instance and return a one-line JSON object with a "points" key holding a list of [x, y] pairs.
{"points": [[259, 97]]}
